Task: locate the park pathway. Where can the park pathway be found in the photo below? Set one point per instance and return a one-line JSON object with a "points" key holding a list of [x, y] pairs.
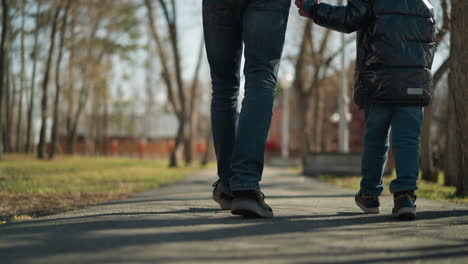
{"points": [[314, 223]]}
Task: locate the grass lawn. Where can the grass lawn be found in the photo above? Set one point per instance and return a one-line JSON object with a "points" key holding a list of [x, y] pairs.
{"points": [[429, 190], [31, 188]]}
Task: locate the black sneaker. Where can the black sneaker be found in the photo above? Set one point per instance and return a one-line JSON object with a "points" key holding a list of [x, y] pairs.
{"points": [[250, 204], [404, 208], [370, 204], [221, 196]]}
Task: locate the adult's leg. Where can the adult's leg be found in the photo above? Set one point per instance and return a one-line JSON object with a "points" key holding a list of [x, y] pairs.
{"points": [[375, 155], [223, 39], [406, 131], [264, 27]]}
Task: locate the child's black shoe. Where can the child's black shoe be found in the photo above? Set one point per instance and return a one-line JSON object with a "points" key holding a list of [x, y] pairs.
{"points": [[404, 208]]}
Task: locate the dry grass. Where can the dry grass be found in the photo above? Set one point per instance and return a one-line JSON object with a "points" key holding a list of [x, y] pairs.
{"points": [[32, 188], [428, 190]]}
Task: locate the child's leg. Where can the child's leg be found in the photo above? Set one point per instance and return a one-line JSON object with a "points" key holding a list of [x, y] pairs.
{"points": [[374, 158], [406, 127]]}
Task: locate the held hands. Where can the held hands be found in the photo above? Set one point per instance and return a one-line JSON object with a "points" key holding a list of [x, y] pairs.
{"points": [[300, 6]]}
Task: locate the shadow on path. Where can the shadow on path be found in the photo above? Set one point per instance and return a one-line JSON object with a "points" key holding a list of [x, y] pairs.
{"points": [[72, 235], [169, 220], [171, 199]]}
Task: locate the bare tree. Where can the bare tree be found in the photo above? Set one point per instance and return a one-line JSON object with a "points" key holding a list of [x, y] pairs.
{"points": [[3, 52], [428, 169], [109, 25], [172, 77], [9, 86], [312, 68], [23, 78], [42, 136], [89, 61], [457, 84], [193, 107], [55, 124], [32, 89], [3, 59]]}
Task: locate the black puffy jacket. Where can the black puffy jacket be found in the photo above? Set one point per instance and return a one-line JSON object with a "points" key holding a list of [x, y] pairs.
{"points": [[395, 48]]}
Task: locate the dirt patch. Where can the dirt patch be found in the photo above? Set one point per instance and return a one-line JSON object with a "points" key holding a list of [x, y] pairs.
{"points": [[14, 206]]}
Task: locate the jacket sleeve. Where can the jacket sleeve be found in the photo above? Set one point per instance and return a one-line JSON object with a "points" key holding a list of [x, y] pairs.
{"points": [[345, 19]]}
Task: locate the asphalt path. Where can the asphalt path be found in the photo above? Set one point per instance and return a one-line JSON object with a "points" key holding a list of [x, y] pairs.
{"points": [[179, 223]]}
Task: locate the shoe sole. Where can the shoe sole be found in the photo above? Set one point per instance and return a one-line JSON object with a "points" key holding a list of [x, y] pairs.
{"points": [[249, 209], [405, 214], [374, 210], [225, 205]]}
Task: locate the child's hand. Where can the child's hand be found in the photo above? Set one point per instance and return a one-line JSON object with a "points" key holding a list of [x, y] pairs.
{"points": [[303, 13]]}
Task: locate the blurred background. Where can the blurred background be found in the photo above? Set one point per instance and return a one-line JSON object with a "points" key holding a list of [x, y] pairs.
{"points": [[130, 78]]}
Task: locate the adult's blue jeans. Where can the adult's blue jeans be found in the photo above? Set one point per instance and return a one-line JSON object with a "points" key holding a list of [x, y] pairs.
{"points": [[240, 139], [405, 124]]}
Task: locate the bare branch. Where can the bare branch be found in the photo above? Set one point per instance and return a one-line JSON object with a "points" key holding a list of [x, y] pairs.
{"points": [[445, 23], [440, 72], [163, 56]]}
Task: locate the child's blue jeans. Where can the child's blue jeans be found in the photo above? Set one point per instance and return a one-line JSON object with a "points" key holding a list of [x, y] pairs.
{"points": [[405, 124]]}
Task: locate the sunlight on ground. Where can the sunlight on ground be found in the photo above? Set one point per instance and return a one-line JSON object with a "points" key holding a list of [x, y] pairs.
{"points": [[31, 188]]}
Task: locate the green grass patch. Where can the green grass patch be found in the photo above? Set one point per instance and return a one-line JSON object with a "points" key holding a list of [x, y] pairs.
{"points": [[29, 187], [428, 190]]}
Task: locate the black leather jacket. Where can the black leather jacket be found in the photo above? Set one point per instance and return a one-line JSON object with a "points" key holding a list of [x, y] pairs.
{"points": [[395, 48]]}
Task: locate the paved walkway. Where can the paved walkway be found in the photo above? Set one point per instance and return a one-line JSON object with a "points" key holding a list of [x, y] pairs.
{"points": [[315, 223]]}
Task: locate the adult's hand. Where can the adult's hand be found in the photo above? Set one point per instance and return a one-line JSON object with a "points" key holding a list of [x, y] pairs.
{"points": [[300, 5]]}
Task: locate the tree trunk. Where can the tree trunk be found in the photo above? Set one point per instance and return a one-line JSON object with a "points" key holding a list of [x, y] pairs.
{"points": [[19, 120], [451, 156], [175, 89], [70, 92], [173, 163], [105, 125], [304, 108], [3, 53], [12, 106], [29, 125], [428, 170], [83, 98], [311, 69], [23, 80], [318, 120], [55, 124], [193, 135], [70, 142], [8, 106], [193, 108], [458, 81], [72, 134], [42, 136], [188, 149], [209, 148]]}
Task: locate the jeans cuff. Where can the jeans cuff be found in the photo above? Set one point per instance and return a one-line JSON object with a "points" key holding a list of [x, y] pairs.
{"points": [[376, 192], [226, 185], [402, 189], [245, 187]]}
